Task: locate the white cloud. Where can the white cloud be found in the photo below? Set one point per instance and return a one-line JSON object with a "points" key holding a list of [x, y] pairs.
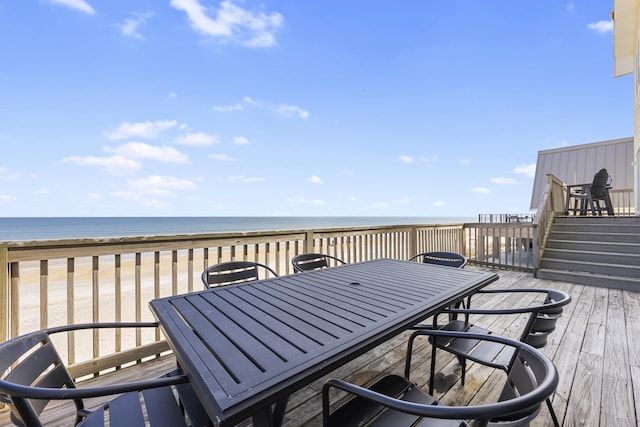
{"points": [[439, 204], [198, 139], [353, 198], [421, 159], [406, 159], [465, 161], [93, 196], [240, 140], [481, 190], [5, 175], [402, 200], [570, 7], [130, 26], [222, 157], [243, 178], [140, 150], [292, 111], [161, 185], [232, 22], [429, 160], [116, 164], [503, 180], [147, 191], [315, 180], [6, 198], [172, 95], [601, 26], [298, 199], [80, 5], [146, 130], [317, 202], [287, 110], [527, 170], [228, 108], [380, 205]]}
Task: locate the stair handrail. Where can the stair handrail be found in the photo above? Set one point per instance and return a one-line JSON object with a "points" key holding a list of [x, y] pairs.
{"points": [[551, 204]]}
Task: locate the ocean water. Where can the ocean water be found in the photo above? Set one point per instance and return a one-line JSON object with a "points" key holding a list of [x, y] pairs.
{"points": [[12, 229]]}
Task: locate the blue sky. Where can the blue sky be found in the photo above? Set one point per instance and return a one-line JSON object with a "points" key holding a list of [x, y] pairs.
{"points": [[301, 108]]}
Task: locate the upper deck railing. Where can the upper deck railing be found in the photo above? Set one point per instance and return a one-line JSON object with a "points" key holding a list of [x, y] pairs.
{"points": [[55, 282]]}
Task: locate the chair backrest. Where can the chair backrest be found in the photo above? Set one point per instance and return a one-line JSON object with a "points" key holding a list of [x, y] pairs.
{"points": [[449, 259], [313, 261], [31, 360], [526, 373], [543, 320], [227, 273], [600, 182]]}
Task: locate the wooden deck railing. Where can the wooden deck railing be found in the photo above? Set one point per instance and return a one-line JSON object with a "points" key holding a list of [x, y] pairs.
{"points": [[56, 282], [551, 204]]}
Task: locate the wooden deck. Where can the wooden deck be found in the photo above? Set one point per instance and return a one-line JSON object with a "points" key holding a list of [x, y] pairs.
{"points": [[596, 348]]}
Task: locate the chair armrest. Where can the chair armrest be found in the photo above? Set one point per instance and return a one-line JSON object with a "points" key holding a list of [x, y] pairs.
{"points": [[580, 187], [88, 392]]}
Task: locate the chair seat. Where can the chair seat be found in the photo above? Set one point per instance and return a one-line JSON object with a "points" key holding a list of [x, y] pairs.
{"points": [[163, 406], [363, 412], [127, 410], [487, 352]]}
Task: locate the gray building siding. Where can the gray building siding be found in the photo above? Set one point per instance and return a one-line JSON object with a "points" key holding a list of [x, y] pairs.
{"points": [[577, 164]]}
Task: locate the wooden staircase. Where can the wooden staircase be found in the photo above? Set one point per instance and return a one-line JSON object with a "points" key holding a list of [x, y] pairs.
{"points": [[600, 251]]}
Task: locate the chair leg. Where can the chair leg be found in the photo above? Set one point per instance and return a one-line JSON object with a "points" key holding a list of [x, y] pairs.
{"points": [[433, 366], [553, 413], [463, 364]]}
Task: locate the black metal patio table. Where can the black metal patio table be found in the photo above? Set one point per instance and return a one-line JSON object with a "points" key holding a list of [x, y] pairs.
{"points": [[247, 347]]}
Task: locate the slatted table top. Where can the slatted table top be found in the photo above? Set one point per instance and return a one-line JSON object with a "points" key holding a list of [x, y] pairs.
{"points": [[245, 347]]}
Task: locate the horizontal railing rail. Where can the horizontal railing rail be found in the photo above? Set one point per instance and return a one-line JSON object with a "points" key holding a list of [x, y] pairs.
{"points": [[56, 282]]}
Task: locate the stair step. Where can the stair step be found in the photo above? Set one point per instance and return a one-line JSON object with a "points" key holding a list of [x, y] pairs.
{"points": [[598, 251], [607, 281], [597, 220], [591, 267], [592, 256], [600, 228], [591, 236], [595, 246]]}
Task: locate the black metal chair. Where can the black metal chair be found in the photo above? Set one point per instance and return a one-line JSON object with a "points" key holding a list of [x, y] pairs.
{"points": [[587, 197], [540, 323], [313, 261], [231, 272], [450, 259], [32, 374], [395, 401]]}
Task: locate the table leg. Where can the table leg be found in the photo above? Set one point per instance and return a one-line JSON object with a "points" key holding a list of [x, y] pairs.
{"points": [[271, 416]]}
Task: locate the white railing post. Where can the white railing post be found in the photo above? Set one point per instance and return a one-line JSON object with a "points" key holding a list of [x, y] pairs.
{"points": [[308, 241], [5, 306]]}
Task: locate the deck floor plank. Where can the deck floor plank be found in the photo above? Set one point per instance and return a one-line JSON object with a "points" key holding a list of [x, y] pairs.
{"points": [[596, 347], [617, 399]]}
